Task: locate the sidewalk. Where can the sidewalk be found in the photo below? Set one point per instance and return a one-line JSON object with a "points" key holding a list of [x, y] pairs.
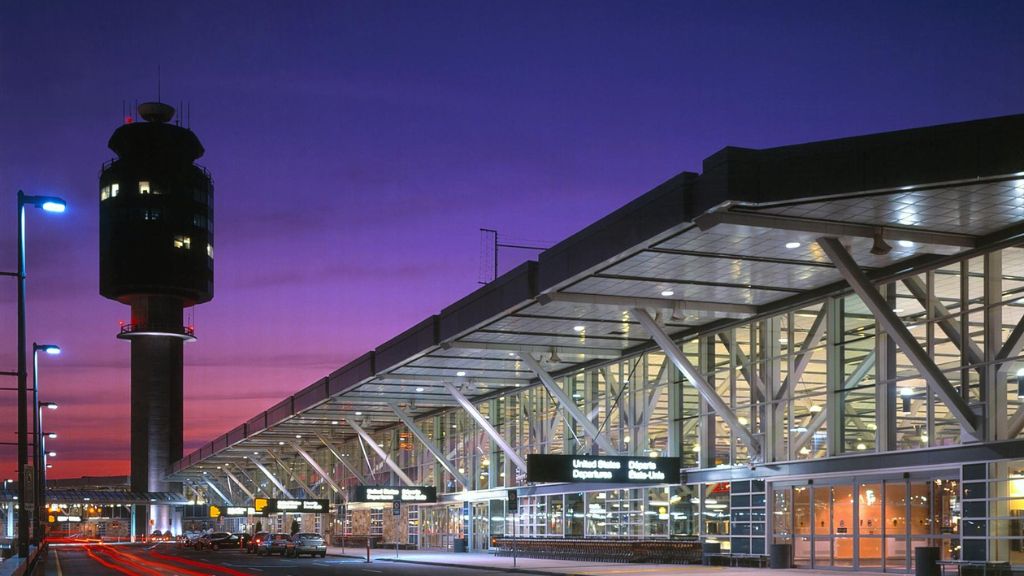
{"points": [[485, 561]]}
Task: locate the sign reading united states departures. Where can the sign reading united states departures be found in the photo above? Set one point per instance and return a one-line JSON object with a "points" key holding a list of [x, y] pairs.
{"points": [[605, 469], [411, 494]]}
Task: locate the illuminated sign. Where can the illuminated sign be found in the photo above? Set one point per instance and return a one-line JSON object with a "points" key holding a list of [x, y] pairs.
{"points": [[297, 506], [235, 511], [215, 511], [410, 494], [605, 469], [69, 518], [259, 504]]}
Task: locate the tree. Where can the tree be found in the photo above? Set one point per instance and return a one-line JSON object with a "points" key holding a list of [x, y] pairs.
{"points": [[295, 526]]}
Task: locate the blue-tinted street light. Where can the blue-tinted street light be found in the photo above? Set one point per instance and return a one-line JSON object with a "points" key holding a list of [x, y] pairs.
{"points": [[40, 458], [49, 204]]}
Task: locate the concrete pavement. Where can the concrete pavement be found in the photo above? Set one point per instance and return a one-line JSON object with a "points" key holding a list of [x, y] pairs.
{"points": [[485, 561]]}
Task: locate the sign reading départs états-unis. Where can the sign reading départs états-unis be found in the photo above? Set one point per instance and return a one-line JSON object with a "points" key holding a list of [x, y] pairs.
{"points": [[605, 469]]}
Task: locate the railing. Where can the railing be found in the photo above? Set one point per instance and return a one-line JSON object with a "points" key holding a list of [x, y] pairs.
{"points": [[186, 331], [686, 551]]}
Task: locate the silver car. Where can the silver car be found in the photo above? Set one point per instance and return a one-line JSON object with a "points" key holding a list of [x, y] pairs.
{"points": [[306, 543]]}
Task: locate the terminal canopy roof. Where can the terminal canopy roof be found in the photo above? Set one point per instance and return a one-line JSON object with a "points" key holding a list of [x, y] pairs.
{"points": [[696, 253]]}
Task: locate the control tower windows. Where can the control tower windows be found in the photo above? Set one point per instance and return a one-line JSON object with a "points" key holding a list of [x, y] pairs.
{"points": [[108, 191], [144, 187], [183, 242]]}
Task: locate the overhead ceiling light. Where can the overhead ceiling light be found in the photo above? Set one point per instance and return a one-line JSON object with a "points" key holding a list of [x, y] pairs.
{"points": [[334, 422], [419, 388], [792, 245], [579, 328], [460, 373], [667, 293], [280, 443], [814, 409], [298, 435], [358, 413], [862, 446]]}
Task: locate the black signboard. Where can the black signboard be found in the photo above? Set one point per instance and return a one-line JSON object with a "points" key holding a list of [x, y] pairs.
{"points": [[408, 494], [396, 508], [603, 469], [513, 501], [297, 506]]}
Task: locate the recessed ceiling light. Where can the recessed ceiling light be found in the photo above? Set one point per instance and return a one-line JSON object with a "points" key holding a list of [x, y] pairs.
{"points": [[579, 328], [419, 389], [905, 244], [667, 293], [298, 435], [334, 422], [280, 443], [814, 409], [358, 413], [460, 373], [792, 245]]}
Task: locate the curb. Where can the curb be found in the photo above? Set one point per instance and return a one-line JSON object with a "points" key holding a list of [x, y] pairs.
{"points": [[478, 567]]}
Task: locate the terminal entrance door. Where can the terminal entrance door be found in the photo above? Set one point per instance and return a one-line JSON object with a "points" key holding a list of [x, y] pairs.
{"points": [[867, 523]]}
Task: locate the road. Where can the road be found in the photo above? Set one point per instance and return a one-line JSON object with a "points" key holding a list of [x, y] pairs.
{"points": [[171, 560]]}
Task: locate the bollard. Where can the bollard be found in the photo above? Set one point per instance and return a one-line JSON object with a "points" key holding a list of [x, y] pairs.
{"points": [[367, 548]]}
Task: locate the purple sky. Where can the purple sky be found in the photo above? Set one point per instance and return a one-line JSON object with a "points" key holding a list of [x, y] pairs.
{"points": [[357, 148]]}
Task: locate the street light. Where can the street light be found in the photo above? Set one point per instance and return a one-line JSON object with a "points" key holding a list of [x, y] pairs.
{"points": [[40, 459], [49, 204]]}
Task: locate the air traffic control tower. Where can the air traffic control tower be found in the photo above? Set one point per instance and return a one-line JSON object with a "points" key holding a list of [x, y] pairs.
{"points": [[156, 255]]}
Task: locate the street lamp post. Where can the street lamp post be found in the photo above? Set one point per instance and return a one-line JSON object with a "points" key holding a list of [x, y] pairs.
{"points": [[50, 204], [40, 461]]}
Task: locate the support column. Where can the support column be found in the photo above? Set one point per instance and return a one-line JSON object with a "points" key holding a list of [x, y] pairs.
{"points": [[993, 388], [485, 425], [316, 467], [295, 477], [214, 487], [429, 444], [697, 380], [271, 477], [380, 452], [937, 381], [567, 404], [239, 483], [257, 488], [337, 454]]}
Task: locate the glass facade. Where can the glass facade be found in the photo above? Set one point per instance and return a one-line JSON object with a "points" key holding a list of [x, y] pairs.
{"points": [[816, 380]]}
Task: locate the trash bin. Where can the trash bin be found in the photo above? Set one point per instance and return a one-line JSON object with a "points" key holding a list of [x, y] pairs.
{"points": [[460, 545], [708, 549], [926, 561], [780, 556]]}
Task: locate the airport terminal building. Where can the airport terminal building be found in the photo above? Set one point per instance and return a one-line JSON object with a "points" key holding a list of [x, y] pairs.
{"points": [[822, 342]]}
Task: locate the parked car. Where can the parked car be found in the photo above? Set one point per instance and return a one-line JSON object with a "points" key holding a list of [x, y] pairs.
{"points": [[254, 542], [217, 540], [273, 544], [306, 543], [189, 539]]}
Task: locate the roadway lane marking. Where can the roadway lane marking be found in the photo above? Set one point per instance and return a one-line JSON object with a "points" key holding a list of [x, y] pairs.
{"points": [[56, 556]]}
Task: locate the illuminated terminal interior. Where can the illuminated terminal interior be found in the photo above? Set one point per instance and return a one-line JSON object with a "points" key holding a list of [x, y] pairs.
{"points": [[823, 340]]}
